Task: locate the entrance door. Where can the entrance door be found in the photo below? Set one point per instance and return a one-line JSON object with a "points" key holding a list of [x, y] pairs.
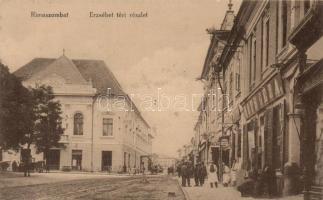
{"points": [[106, 160], [53, 158], [77, 159]]}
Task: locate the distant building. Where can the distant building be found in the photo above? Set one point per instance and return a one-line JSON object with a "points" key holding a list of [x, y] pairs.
{"points": [[165, 161], [99, 133]]}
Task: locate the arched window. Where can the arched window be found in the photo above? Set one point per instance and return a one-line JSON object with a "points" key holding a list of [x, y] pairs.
{"points": [[78, 124]]}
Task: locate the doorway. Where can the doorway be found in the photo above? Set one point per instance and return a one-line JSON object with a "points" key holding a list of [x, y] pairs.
{"points": [[77, 159], [106, 160], [53, 159]]}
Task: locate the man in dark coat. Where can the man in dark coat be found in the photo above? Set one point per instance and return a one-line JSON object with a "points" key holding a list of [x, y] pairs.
{"points": [[178, 169], [184, 174], [197, 170], [203, 173], [189, 173]]}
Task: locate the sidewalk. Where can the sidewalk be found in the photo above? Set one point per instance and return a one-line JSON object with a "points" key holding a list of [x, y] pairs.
{"points": [[221, 193]]}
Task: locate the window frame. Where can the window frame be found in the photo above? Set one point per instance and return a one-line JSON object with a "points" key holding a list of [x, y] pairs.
{"points": [[265, 40], [79, 131], [106, 134]]}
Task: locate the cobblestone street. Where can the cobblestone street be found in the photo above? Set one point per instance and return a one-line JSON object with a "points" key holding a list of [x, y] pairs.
{"points": [[93, 187]]}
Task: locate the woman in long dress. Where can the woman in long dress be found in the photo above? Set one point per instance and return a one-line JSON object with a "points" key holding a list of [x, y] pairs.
{"points": [[212, 176]]}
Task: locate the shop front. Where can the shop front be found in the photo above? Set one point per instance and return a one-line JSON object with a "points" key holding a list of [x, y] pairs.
{"points": [[264, 133], [310, 85]]}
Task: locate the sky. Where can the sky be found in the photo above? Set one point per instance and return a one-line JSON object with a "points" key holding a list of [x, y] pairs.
{"points": [[160, 55]]}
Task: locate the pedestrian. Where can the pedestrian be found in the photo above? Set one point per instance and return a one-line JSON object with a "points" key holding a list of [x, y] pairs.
{"points": [[197, 174], [179, 166], [226, 175], [183, 174], [203, 174], [234, 170], [212, 176], [189, 173]]}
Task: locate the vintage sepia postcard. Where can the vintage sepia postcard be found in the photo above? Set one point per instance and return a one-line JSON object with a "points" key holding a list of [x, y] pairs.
{"points": [[161, 99]]}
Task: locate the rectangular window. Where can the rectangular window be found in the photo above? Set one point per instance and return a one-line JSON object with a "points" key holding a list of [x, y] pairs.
{"points": [[250, 62], [107, 127], [231, 88], [238, 82], [265, 36], [267, 44], [238, 88], [284, 22], [254, 60]]}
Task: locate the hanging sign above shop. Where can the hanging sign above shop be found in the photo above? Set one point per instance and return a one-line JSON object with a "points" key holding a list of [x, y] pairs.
{"points": [[266, 94]]}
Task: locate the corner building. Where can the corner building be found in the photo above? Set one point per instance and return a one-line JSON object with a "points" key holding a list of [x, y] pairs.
{"points": [[99, 135]]}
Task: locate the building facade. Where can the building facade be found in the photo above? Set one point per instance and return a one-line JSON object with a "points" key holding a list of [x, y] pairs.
{"points": [[269, 71], [103, 128]]}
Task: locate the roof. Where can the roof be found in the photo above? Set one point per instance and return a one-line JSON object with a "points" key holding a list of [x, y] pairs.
{"points": [[100, 75], [95, 71]]}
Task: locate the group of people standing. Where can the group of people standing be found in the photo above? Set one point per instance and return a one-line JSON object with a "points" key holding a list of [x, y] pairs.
{"points": [[200, 172], [204, 174]]}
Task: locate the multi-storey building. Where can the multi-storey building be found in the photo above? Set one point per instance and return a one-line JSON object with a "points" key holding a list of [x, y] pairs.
{"points": [[103, 128], [209, 125], [280, 97], [270, 71]]}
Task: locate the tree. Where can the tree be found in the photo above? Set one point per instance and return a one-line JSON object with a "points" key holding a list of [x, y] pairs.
{"points": [[48, 121], [16, 111]]}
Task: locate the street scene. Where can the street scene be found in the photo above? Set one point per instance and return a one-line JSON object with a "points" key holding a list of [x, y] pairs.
{"points": [[183, 100]]}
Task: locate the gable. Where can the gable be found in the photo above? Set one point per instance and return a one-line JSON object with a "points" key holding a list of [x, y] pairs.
{"points": [[63, 68]]}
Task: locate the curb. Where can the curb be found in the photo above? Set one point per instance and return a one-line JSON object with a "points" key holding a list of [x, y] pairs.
{"points": [[186, 196]]}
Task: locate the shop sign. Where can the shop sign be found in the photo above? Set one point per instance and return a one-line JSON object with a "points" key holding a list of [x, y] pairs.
{"points": [[265, 95]]}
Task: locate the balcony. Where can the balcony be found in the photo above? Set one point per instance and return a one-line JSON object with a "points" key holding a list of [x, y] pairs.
{"points": [[309, 29]]}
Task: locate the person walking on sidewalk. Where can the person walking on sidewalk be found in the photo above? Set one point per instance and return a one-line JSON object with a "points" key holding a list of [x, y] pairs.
{"points": [[189, 173], [197, 170], [203, 174], [184, 174], [212, 177]]}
